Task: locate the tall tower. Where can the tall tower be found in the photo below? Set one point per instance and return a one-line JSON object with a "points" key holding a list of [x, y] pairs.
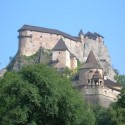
{"points": [[81, 35], [90, 73]]}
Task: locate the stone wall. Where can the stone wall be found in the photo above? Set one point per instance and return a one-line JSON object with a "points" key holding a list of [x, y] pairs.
{"points": [[73, 62], [99, 95], [63, 58], [31, 41]]}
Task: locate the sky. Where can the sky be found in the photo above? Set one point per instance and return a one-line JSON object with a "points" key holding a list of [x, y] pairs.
{"points": [[106, 17]]}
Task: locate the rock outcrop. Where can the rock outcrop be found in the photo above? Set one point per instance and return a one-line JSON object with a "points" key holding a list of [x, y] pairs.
{"points": [[102, 55]]}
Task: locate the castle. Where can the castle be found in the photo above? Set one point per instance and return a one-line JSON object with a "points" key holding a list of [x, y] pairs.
{"points": [[94, 79]]}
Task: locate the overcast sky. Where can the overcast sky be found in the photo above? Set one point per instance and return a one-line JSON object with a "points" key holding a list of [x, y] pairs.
{"points": [[106, 17]]}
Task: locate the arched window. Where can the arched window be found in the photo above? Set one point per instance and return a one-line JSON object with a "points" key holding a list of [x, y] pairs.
{"points": [[100, 82], [96, 82]]}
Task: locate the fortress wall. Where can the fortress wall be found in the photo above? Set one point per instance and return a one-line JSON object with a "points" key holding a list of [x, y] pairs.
{"points": [[99, 95], [48, 41], [75, 47], [29, 46]]}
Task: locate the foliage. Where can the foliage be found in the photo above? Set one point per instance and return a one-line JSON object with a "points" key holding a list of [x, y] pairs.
{"points": [[69, 73], [114, 115], [121, 99], [38, 95], [120, 79], [41, 56], [79, 64], [116, 72], [100, 115]]}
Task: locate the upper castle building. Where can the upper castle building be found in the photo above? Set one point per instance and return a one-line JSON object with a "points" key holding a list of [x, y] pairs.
{"points": [[66, 49]]}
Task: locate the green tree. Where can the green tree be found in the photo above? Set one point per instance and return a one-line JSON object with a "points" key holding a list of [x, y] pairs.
{"points": [[120, 79], [115, 114], [38, 95], [121, 99]]}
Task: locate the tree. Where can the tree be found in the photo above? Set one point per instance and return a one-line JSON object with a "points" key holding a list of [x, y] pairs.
{"points": [[115, 114], [38, 95], [120, 79], [121, 99]]}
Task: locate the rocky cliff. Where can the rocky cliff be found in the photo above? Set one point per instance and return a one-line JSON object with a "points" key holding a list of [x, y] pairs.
{"points": [[102, 55]]}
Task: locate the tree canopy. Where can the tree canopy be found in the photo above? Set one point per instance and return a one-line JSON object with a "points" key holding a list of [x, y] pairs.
{"points": [[38, 95]]}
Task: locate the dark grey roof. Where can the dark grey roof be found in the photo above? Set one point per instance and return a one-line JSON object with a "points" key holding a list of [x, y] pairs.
{"points": [[91, 58], [60, 45], [109, 82], [81, 32], [91, 61], [93, 35], [46, 30], [96, 34], [90, 35]]}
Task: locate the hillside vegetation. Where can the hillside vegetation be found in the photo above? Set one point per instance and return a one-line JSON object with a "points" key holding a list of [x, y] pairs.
{"points": [[38, 95]]}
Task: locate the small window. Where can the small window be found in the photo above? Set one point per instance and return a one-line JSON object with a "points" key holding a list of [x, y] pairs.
{"points": [[40, 36], [59, 52], [90, 71], [100, 82], [88, 80]]}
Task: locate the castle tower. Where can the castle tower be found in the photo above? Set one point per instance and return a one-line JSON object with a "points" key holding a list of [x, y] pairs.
{"points": [[91, 73], [81, 35], [61, 55], [90, 82]]}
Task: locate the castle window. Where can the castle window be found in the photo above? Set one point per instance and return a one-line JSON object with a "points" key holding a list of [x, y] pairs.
{"points": [[90, 71], [40, 36], [96, 82], [100, 82], [88, 80], [59, 52]]}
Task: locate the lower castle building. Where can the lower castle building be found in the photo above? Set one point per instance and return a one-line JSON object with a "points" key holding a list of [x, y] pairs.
{"points": [[92, 83], [62, 57]]}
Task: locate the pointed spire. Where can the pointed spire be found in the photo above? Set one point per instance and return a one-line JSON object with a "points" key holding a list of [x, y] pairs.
{"points": [[60, 45], [91, 62], [91, 58], [81, 32]]}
